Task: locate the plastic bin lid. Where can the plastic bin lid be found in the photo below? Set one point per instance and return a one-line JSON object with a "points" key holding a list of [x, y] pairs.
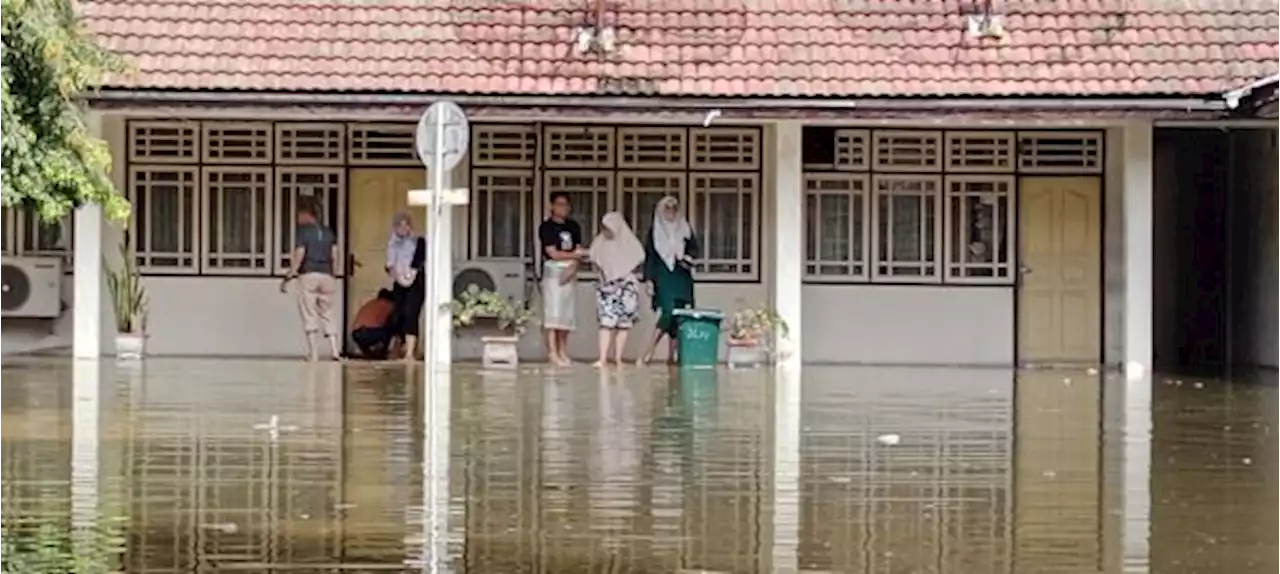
{"points": [[709, 314]]}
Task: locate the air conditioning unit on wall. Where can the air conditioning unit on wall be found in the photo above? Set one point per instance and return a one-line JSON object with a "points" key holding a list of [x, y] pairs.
{"points": [[507, 278], [32, 287]]}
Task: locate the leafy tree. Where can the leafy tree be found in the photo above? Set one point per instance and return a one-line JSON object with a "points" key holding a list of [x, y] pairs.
{"points": [[51, 162]]}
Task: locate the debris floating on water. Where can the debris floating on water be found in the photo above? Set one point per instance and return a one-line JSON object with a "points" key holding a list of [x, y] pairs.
{"points": [[1198, 385], [1049, 474], [1247, 460], [1091, 371], [888, 439]]}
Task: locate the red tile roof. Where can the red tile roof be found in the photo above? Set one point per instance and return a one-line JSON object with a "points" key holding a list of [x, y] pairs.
{"points": [[863, 48]]}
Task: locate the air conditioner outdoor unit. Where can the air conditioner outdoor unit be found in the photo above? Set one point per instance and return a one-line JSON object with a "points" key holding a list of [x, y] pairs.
{"points": [[506, 278], [32, 287]]}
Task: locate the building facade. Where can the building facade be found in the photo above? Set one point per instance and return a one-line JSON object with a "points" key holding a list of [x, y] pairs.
{"points": [[990, 218]]}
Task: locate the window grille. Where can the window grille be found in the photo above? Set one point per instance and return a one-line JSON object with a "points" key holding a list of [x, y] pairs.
{"points": [[325, 188], [40, 238], [639, 193], [651, 148], [503, 145], [381, 144], [853, 150], [906, 242], [502, 213], [980, 151], [837, 236], [908, 150], [237, 220], [1060, 152], [9, 219], [163, 219], [724, 211], [578, 147], [980, 228], [310, 143], [164, 142], [590, 194], [725, 148], [233, 142]]}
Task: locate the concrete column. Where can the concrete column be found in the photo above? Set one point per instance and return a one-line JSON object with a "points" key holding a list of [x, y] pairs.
{"points": [[786, 472], [88, 282], [787, 227], [1138, 247]]}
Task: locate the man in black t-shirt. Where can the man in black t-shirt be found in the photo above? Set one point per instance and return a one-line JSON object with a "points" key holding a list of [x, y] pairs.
{"points": [[561, 241]]}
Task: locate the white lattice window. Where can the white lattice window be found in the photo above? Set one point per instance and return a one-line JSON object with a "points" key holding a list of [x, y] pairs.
{"points": [[164, 142], [503, 145], [9, 233], [979, 221], [324, 188], [44, 238], [237, 142], [725, 148], [502, 207], [640, 191], [908, 150], [980, 151], [311, 143], [237, 220], [590, 194], [651, 148], [723, 211], [907, 228], [837, 234], [578, 147], [381, 144], [162, 227], [853, 150], [1060, 152]]}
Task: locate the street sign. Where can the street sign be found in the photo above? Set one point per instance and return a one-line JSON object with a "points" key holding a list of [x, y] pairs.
{"points": [[450, 197], [442, 136]]}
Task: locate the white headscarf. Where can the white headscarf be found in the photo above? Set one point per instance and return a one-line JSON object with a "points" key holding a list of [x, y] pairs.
{"points": [[617, 256], [669, 236], [400, 251]]}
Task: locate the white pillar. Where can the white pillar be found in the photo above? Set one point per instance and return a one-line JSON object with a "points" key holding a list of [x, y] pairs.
{"points": [[87, 307], [786, 472], [85, 452], [787, 210], [1138, 247]]}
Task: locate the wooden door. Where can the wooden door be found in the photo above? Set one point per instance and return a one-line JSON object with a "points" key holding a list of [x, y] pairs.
{"points": [[1059, 296], [375, 195]]}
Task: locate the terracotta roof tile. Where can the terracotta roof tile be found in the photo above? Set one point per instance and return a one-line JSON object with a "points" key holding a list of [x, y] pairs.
{"points": [[692, 47]]}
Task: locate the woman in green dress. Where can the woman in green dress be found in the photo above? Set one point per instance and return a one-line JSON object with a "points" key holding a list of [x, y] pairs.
{"points": [[670, 248]]}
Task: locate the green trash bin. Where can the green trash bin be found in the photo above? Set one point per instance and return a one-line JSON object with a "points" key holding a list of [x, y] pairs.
{"points": [[699, 336]]}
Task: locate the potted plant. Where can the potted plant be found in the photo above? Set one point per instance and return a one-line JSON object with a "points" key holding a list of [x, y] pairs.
{"points": [[129, 299], [477, 306], [750, 331]]}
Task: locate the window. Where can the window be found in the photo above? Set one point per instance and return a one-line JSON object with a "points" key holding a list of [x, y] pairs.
{"points": [[590, 194], [722, 209], [325, 188], [502, 213], [164, 142], [836, 231], [651, 148], [980, 228], [165, 211], [725, 148], [1060, 152], [907, 228], [26, 234], [9, 219], [237, 210], [908, 151], [980, 151], [309, 143], [578, 147], [503, 145], [381, 144], [640, 192], [231, 142]]}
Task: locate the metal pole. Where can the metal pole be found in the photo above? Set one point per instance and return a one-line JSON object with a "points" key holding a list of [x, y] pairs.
{"points": [[435, 538]]}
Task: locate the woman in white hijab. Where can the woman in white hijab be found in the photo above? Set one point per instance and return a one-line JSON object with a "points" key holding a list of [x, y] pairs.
{"points": [[670, 249], [406, 253], [617, 255]]}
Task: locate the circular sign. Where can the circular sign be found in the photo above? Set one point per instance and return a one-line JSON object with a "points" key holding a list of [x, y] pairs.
{"points": [[442, 136]]}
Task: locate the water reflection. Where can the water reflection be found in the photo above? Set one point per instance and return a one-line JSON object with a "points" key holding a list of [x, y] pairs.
{"points": [[274, 467]]}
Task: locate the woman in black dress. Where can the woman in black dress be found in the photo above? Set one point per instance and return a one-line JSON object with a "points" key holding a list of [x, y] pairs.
{"points": [[406, 254]]}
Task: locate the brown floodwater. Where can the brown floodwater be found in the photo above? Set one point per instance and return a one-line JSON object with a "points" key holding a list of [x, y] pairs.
{"points": [[272, 466]]}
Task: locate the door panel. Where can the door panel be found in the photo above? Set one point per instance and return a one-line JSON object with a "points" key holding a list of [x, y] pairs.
{"points": [[375, 195], [1059, 295]]}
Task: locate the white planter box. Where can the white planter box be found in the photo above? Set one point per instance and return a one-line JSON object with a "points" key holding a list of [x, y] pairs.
{"points": [[130, 346], [500, 352], [745, 356]]}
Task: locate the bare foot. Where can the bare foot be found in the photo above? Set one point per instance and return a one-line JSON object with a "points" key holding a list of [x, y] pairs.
{"points": [[599, 364], [618, 361], [642, 360]]}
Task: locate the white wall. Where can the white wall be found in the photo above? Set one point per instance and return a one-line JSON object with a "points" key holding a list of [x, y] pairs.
{"points": [[908, 324], [1113, 249]]}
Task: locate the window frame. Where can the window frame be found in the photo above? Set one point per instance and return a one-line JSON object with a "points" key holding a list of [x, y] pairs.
{"points": [[938, 229], [528, 232], [208, 221], [695, 216], [193, 211], [1009, 228], [285, 207], [865, 212]]}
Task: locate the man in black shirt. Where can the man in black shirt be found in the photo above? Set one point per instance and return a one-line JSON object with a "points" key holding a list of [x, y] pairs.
{"points": [[561, 240]]}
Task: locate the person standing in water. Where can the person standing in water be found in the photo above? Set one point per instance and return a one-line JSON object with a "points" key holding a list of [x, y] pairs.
{"points": [[406, 253], [670, 249], [561, 240], [315, 249], [617, 255]]}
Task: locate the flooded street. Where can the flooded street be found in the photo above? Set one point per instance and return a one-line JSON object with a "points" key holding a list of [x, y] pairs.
{"points": [[271, 466]]}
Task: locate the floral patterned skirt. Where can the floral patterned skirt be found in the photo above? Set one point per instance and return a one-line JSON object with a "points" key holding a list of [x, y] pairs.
{"points": [[618, 303]]}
